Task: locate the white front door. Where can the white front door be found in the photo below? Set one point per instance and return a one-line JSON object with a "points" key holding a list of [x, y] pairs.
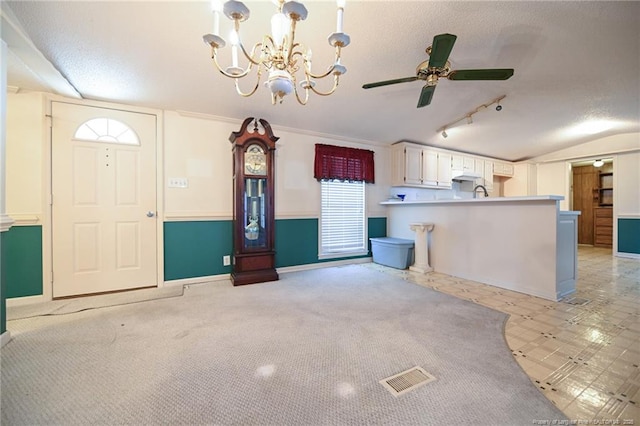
{"points": [[104, 199]]}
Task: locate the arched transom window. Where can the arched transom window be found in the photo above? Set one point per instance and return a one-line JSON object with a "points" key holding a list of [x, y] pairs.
{"points": [[107, 130]]}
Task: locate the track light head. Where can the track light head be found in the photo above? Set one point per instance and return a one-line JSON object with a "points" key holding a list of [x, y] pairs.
{"points": [[444, 133]]}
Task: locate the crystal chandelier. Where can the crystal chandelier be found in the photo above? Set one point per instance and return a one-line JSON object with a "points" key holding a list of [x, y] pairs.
{"points": [[286, 61]]}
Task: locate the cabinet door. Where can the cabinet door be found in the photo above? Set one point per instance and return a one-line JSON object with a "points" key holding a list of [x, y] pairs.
{"points": [[430, 167], [413, 165], [397, 165], [457, 162], [468, 163], [488, 175], [479, 166], [444, 170], [508, 169]]}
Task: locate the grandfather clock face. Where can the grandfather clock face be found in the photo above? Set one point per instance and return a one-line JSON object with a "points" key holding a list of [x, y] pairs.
{"points": [[255, 161]]}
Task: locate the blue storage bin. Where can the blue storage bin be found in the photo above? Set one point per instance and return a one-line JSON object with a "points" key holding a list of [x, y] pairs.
{"points": [[393, 252]]}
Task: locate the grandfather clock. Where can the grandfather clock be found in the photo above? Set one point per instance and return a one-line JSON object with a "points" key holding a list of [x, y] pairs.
{"points": [[253, 203]]}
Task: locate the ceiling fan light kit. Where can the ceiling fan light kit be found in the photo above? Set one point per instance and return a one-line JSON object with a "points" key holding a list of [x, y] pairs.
{"points": [[438, 66], [278, 54]]}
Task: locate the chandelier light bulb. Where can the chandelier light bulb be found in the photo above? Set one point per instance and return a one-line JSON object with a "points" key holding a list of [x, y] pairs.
{"points": [[340, 17], [216, 7]]}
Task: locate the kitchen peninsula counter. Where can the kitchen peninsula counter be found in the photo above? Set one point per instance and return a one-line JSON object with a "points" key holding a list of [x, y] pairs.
{"points": [[524, 244], [478, 200]]}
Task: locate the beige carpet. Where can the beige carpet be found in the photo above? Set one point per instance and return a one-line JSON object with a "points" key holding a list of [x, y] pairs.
{"points": [[309, 349]]}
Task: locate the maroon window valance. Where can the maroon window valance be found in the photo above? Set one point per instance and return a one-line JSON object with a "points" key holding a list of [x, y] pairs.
{"points": [[338, 162]]}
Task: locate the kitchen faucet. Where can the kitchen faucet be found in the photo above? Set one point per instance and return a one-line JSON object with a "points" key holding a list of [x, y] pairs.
{"points": [[475, 194]]}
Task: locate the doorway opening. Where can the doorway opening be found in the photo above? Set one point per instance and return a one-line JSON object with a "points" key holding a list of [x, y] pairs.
{"points": [[592, 194]]}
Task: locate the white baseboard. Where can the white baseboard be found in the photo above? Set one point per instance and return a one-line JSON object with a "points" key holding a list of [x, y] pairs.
{"points": [[306, 267], [197, 280], [4, 338], [628, 255], [27, 300], [319, 265]]}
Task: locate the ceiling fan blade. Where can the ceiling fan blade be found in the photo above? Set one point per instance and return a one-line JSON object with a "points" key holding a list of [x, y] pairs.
{"points": [[426, 95], [441, 49], [387, 82], [484, 74]]}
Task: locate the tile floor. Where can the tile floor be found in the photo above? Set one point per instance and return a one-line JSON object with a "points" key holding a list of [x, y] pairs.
{"points": [[583, 352]]}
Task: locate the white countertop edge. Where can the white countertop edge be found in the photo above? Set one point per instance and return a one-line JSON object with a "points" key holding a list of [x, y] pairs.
{"points": [[479, 200], [570, 212]]}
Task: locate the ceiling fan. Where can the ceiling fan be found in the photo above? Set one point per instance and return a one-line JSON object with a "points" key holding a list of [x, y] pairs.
{"points": [[438, 66]]}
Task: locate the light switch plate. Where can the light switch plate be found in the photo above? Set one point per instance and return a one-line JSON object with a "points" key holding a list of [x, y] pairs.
{"points": [[178, 183]]}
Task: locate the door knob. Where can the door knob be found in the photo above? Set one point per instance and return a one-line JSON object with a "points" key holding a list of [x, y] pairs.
{"points": [[150, 214]]}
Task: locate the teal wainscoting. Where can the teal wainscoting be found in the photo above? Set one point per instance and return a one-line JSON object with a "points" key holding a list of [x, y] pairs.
{"points": [[296, 242], [22, 261], [629, 235], [377, 228], [3, 286], [195, 249]]}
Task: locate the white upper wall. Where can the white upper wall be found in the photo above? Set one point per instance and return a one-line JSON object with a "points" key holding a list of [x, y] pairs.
{"points": [[196, 148]]}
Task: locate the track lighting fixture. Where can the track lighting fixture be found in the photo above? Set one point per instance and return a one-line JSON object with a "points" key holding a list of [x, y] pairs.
{"points": [[469, 115]]}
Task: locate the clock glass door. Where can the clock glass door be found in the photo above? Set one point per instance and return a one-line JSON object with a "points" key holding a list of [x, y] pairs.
{"points": [[255, 223]]}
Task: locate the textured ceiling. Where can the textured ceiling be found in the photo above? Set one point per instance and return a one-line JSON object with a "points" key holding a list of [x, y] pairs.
{"points": [[573, 61]]}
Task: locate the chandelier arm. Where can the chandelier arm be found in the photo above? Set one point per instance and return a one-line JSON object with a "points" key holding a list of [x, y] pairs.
{"points": [[246, 95], [319, 76], [291, 44], [331, 69], [306, 97], [226, 74], [335, 86], [253, 52]]}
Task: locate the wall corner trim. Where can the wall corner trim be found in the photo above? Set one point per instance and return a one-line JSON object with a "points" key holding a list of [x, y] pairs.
{"points": [[6, 222], [5, 338]]}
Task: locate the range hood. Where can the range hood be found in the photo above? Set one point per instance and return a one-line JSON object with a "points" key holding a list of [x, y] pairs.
{"points": [[465, 175]]}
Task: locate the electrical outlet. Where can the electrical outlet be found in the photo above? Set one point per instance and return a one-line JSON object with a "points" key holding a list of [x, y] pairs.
{"points": [[226, 260]]}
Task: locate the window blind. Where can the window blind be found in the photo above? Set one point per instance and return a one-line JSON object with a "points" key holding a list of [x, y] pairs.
{"points": [[342, 218]]}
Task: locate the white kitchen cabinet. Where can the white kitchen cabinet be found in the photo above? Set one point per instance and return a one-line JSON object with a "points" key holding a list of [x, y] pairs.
{"points": [[462, 162], [502, 169], [479, 166], [414, 165], [468, 164], [488, 175], [444, 169], [436, 168], [430, 167], [407, 165]]}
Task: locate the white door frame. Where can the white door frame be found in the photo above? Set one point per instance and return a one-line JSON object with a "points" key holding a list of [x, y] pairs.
{"points": [[47, 230]]}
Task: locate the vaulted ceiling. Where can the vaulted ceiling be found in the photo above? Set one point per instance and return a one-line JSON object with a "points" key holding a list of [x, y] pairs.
{"points": [[575, 63]]}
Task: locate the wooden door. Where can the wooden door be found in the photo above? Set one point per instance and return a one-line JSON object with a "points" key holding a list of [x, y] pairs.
{"points": [[585, 181], [104, 200]]}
